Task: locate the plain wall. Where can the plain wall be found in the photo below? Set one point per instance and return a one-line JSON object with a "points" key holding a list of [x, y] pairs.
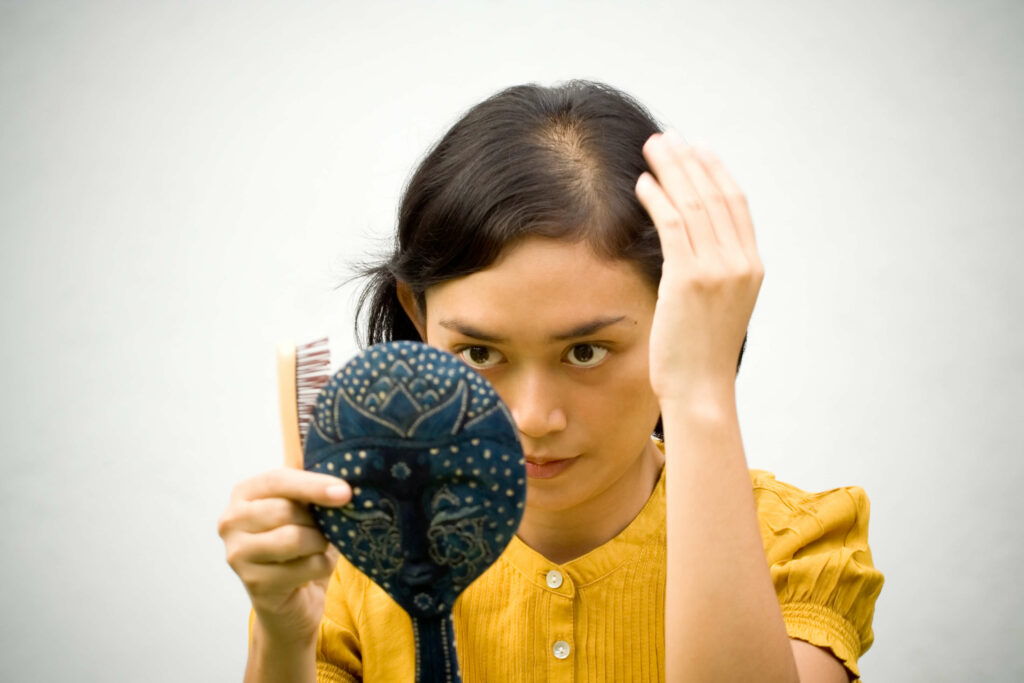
{"points": [[182, 184]]}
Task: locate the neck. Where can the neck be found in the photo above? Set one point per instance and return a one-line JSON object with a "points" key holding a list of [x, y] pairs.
{"points": [[564, 535]]}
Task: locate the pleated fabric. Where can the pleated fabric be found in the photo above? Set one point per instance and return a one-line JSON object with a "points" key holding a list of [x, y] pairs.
{"points": [[601, 617]]}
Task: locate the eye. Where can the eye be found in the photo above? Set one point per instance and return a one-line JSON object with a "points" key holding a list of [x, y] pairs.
{"points": [[586, 355], [480, 357]]}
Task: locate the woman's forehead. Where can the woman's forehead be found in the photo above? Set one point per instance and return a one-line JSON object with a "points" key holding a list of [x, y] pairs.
{"points": [[558, 284]]}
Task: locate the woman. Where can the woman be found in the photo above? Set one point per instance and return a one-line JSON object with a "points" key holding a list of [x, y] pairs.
{"points": [[601, 275]]}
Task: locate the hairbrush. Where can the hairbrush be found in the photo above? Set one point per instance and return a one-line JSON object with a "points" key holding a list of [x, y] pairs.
{"points": [[438, 482], [302, 371]]}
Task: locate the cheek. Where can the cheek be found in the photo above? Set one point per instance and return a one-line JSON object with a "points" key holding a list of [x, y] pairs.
{"points": [[625, 403]]}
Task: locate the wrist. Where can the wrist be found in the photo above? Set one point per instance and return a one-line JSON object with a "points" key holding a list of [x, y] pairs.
{"points": [[281, 640], [711, 396]]}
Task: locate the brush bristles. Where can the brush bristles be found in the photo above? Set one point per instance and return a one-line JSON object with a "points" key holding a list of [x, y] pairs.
{"points": [[312, 372]]}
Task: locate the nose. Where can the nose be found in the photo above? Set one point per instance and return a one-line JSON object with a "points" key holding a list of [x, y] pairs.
{"points": [[418, 574], [535, 406], [417, 569]]}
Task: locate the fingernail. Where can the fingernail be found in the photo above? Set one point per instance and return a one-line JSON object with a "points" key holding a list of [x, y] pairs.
{"points": [[338, 491]]}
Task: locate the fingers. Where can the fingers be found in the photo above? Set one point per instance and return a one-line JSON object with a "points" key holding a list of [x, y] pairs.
{"points": [[306, 487], [269, 541], [266, 579], [267, 520], [268, 533], [703, 198], [665, 159], [282, 544], [265, 514], [735, 202], [675, 238], [279, 498]]}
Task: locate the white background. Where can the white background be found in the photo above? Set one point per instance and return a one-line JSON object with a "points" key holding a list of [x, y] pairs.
{"points": [[184, 183]]}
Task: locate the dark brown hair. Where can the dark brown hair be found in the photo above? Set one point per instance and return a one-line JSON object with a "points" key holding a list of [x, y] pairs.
{"points": [[559, 162]]}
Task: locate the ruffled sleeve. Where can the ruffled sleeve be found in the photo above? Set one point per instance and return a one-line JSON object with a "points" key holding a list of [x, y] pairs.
{"points": [[817, 550]]}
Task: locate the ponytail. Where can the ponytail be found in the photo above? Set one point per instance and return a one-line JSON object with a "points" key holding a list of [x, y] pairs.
{"points": [[385, 318]]}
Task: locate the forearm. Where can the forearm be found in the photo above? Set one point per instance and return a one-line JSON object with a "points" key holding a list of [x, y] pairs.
{"points": [[723, 621], [271, 661]]}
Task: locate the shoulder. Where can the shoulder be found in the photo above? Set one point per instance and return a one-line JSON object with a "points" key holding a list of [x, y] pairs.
{"points": [[791, 517]]}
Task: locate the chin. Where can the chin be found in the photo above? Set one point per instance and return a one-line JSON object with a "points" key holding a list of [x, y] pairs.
{"points": [[548, 498], [563, 493]]}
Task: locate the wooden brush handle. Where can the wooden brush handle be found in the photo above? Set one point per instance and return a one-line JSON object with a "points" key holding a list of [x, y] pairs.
{"points": [[288, 404]]}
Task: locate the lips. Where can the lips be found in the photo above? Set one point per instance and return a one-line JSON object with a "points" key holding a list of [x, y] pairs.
{"points": [[546, 469]]}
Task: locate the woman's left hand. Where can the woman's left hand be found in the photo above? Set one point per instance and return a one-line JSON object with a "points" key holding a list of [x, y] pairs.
{"points": [[711, 274]]}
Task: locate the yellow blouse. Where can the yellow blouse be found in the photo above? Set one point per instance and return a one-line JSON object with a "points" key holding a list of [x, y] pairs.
{"points": [[606, 610]]}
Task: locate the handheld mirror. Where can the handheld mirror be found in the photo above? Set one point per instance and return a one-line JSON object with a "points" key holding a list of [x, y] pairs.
{"points": [[438, 482]]}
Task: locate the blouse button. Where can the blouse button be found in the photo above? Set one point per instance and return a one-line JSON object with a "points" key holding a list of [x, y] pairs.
{"points": [[560, 649], [554, 581]]}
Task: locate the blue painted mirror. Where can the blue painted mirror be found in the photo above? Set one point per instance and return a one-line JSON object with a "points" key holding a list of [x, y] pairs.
{"points": [[438, 481]]}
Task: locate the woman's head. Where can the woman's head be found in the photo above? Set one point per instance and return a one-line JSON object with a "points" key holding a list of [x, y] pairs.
{"points": [[558, 162]]}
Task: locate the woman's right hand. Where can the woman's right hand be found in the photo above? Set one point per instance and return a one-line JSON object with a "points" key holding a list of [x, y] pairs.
{"points": [[275, 547]]}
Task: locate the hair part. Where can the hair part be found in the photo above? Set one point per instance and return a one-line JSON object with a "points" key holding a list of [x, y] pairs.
{"points": [[558, 162], [530, 161]]}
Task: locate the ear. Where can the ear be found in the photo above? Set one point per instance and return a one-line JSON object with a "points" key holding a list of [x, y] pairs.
{"points": [[412, 309]]}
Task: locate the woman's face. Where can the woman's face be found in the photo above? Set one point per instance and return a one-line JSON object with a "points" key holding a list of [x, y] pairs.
{"points": [[562, 334]]}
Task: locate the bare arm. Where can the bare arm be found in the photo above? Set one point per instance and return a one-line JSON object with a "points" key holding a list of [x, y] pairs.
{"points": [[279, 661], [721, 607], [817, 664], [723, 621]]}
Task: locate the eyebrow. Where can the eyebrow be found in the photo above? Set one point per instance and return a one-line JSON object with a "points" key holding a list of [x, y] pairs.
{"points": [[582, 330]]}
